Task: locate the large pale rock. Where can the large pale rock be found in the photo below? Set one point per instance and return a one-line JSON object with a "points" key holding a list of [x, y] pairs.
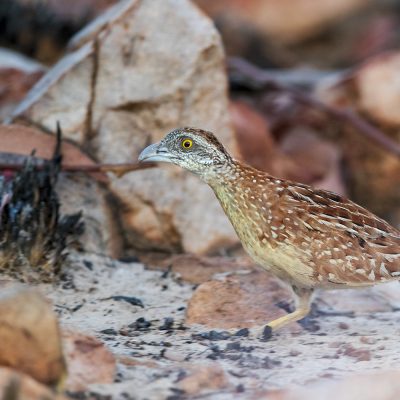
{"points": [[127, 84], [63, 95]]}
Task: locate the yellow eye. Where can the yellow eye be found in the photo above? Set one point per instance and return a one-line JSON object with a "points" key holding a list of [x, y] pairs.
{"points": [[187, 143]]}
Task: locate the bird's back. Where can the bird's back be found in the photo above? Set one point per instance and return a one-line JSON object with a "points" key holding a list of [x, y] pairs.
{"points": [[307, 236]]}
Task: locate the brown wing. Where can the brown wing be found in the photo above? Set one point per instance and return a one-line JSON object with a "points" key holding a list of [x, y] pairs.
{"points": [[347, 243]]}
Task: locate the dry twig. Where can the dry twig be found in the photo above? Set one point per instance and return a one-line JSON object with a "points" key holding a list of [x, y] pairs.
{"points": [[117, 169]]}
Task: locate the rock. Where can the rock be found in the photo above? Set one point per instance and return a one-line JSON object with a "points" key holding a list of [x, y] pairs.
{"points": [[204, 378], [380, 298], [40, 106], [21, 139], [17, 75], [102, 234], [128, 84], [88, 361], [14, 385], [174, 355], [357, 354], [285, 21], [383, 385], [237, 301], [29, 335], [378, 88], [373, 173], [77, 192]]}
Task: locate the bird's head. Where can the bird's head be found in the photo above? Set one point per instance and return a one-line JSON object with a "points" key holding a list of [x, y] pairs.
{"points": [[195, 150]]}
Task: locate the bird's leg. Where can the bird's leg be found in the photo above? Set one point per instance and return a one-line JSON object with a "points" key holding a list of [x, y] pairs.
{"points": [[303, 306]]}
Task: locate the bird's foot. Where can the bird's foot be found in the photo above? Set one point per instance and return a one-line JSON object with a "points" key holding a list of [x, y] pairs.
{"points": [[262, 333]]}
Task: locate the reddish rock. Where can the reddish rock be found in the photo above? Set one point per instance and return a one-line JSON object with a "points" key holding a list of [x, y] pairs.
{"points": [[358, 354], [17, 76], [203, 378], [237, 301], [88, 361], [21, 139], [29, 335], [14, 385]]}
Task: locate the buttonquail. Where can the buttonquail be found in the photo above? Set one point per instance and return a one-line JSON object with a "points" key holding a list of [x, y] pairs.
{"points": [[307, 237]]}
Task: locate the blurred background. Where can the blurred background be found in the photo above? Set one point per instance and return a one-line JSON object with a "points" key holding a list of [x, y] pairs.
{"points": [[344, 54], [326, 34]]}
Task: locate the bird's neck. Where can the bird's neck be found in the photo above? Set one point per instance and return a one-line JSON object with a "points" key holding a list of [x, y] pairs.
{"points": [[238, 183], [232, 176], [244, 194]]}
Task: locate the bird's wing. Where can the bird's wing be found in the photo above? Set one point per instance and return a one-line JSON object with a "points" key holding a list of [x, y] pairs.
{"points": [[348, 243]]}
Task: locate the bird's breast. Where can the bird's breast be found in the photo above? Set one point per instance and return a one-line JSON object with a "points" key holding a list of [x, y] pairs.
{"points": [[259, 241]]}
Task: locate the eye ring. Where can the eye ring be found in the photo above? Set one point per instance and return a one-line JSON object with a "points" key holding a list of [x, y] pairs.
{"points": [[187, 143]]}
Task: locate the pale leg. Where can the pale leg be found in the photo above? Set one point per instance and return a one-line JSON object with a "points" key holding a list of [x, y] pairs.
{"points": [[303, 306]]}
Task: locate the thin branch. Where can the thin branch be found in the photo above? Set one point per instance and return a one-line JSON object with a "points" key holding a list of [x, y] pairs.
{"points": [[255, 78], [117, 169]]}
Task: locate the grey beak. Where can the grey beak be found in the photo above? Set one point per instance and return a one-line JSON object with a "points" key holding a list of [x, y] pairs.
{"points": [[155, 152]]}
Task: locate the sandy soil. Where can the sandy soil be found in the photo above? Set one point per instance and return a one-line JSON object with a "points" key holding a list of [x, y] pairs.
{"points": [[157, 354]]}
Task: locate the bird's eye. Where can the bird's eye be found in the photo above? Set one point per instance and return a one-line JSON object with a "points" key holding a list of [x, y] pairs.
{"points": [[187, 143]]}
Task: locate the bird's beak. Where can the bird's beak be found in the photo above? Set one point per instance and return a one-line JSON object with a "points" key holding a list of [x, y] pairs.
{"points": [[155, 152]]}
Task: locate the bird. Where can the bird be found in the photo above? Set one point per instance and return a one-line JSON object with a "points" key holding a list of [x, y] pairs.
{"points": [[309, 238]]}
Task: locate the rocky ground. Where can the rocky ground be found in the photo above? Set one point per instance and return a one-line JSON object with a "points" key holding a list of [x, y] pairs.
{"points": [[140, 315]]}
